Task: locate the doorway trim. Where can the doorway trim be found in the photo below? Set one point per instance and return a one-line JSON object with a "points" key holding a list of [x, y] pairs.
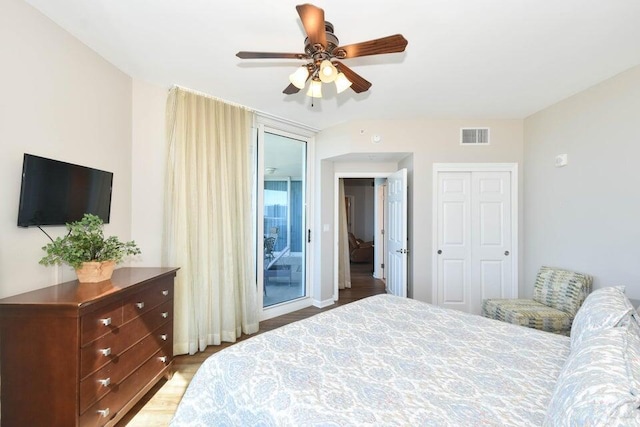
{"points": [[475, 167], [336, 210]]}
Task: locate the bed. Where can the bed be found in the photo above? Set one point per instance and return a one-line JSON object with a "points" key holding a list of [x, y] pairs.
{"points": [[386, 360]]}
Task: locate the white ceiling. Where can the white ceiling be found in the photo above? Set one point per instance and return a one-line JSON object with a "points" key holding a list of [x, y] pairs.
{"points": [[465, 58]]}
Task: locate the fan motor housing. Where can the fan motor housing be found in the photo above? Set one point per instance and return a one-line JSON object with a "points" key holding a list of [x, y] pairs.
{"points": [[316, 51]]}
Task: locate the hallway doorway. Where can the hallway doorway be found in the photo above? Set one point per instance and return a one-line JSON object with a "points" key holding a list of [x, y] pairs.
{"points": [[388, 232]]}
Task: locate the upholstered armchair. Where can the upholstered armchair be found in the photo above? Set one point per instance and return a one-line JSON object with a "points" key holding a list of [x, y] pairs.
{"points": [[359, 250], [557, 296]]}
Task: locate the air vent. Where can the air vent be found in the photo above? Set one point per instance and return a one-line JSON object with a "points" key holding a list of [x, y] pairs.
{"points": [[474, 136]]}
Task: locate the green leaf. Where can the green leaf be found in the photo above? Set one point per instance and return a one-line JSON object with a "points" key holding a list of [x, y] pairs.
{"points": [[85, 242]]}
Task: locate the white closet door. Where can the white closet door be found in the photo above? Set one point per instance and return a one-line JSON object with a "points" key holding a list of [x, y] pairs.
{"points": [[454, 237], [474, 259], [491, 238]]}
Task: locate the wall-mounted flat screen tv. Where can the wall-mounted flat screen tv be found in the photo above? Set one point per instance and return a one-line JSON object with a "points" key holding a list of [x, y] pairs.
{"points": [[56, 193]]}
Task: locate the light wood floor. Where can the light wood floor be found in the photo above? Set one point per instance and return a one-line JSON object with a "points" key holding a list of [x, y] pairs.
{"points": [[158, 406]]}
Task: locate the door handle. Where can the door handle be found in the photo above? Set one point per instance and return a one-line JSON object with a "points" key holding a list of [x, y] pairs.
{"points": [[506, 253], [439, 251]]}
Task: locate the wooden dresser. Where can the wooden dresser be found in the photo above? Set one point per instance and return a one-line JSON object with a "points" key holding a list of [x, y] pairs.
{"points": [[82, 354]]}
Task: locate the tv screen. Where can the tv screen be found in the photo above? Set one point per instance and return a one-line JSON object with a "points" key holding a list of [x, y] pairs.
{"points": [[55, 192]]}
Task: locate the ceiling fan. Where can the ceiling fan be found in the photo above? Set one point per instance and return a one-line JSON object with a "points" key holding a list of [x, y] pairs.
{"points": [[323, 54]]}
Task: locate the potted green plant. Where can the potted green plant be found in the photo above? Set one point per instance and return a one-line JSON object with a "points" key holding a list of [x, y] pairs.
{"points": [[86, 250]]}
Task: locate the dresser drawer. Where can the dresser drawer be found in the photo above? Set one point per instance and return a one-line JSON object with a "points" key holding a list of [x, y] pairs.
{"points": [[143, 301], [111, 375], [109, 347], [107, 408], [100, 322]]}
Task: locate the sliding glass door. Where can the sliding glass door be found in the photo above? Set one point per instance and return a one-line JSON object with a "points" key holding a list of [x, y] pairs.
{"points": [[284, 224]]}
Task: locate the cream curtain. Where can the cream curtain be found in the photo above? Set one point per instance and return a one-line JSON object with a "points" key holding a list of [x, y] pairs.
{"points": [[208, 220], [344, 267]]}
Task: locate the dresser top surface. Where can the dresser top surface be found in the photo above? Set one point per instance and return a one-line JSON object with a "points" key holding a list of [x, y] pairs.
{"points": [[75, 294]]}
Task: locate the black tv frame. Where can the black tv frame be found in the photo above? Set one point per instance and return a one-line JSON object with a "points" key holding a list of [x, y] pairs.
{"points": [[62, 192]]}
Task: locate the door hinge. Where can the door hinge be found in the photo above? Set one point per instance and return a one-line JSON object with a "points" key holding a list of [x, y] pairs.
{"points": [[309, 236], [382, 265], [382, 231]]}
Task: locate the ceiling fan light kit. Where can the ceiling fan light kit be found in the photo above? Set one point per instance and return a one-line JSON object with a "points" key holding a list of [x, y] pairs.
{"points": [[299, 77], [342, 83], [322, 52], [315, 89], [328, 72]]}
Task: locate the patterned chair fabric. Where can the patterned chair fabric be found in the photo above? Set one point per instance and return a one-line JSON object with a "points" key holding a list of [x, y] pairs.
{"points": [[561, 289], [529, 313], [557, 296]]}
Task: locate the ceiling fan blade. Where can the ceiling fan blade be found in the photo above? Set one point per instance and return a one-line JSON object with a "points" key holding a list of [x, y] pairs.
{"points": [[358, 83], [390, 44], [263, 55], [290, 90], [313, 21]]}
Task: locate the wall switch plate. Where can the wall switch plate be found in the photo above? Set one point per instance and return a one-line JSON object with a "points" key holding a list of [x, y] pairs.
{"points": [[561, 160]]}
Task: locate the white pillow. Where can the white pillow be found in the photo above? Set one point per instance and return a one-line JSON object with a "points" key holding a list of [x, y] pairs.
{"points": [[602, 309], [599, 384]]}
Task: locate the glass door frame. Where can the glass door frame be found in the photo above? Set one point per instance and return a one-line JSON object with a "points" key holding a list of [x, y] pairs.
{"points": [[287, 130]]}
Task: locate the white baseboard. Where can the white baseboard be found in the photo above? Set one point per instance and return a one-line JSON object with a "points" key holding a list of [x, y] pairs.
{"points": [[323, 304]]}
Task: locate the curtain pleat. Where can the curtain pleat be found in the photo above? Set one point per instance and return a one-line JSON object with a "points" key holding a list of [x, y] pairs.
{"points": [[208, 220], [344, 266]]}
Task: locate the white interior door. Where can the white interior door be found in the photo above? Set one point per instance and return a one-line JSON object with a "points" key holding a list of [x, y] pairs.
{"points": [[396, 234], [454, 240], [474, 239], [491, 238]]}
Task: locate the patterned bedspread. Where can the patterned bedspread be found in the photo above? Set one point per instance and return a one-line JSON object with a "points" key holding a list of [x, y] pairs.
{"points": [[383, 360]]}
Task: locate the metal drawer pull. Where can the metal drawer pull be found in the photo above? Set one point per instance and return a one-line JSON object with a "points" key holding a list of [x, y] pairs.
{"points": [[105, 382], [165, 314], [165, 292], [163, 359], [105, 351], [104, 413], [163, 337], [106, 322], [140, 305]]}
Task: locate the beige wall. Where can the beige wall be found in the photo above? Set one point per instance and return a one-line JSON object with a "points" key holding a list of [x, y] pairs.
{"points": [[59, 100], [149, 164], [586, 216], [428, 142]]}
